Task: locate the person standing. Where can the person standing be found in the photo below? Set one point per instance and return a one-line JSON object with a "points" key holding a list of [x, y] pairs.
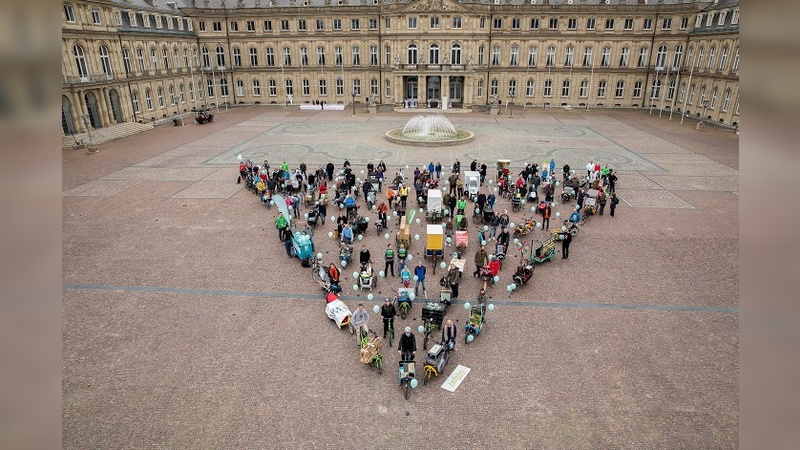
{"points": [[566, 170], [480, 259], [359, 319], [565, 245], [473, 166], [329, 170], [459, 186], [438, 170], [546, 216], [589, 169], [449, 335], [323, 212], [287, 241], [612, 181], [452, 182], [281, 224], [364, 256], [431, 168], [601, 199], [388, 312], [420, 272], [484, 168], [403, 195], [453, 276], [389, 256], [614, 202]]}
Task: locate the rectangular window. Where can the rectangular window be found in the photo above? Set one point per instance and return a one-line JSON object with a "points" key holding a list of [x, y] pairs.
{"points": [[480, 88], [304, 56], [373, 87], [270, 57], [516, 23], [548, 88], [337, 24], [601, 89], [532, 57], [637, 89], [339, 86], [217, 26], [628, 24], [320, 25], [726, 101], [481, 56], [157, 20], [146, 21], [135, 101], [514, 61], [287, 57], [722, 17], [253, 57], [69, 13], [118, 18], [273, 88], [96, 17], [284, 25], [497, 23], [482, 23], [132, 20], [605, 61], [323, 87], [723, 58], [535, 23], [512, 88], [387, 23], [496, 55], [355, 24], [320, 56], [691, 95], [569, 57], [301, 25], [457, 23], [565, 88], [529, 88], [642, 57], [373, 24], [234, 25], [551, 56], [584, 91], [620, 90], [434, 22], [648, 24], [587, 57], [373, 55], [590, 24], [735, 65], [493, 87], [387, 55], [237, 57], [711, 54], [256, 88], [306, 88], [412, 23], [666, 24], [251, 26], [553, 23], [126, 58], [289, 87], [684, 23], [337, 56], [356, 86], [268, 26], [356, 56], [609, 24], [735, 17], [572, 24], [387, 88]]}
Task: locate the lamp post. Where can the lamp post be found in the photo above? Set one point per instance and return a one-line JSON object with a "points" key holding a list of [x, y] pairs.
{"points": [[701, 124], [88, 126], [353, 93]]}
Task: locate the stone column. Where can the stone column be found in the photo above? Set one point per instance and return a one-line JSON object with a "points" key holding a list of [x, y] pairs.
{"points": [[102, 103], [80, 106], [444, 93], [422, 90]]}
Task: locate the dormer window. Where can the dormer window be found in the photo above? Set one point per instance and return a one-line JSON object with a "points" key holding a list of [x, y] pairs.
{"points": [[722, 17], [132, 18], [735, 18], [145, 21]]}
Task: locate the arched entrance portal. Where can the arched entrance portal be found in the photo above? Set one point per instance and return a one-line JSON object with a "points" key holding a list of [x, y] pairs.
{"points": [[94, 111], [67, 121], [116, 109]]}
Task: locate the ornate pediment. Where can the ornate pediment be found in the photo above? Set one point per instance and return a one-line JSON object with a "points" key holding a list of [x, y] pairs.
{"points": [[433, 6]]}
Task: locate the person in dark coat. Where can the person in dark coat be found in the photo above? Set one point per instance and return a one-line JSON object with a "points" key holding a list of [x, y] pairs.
{"points": [[329, 170], [614, 202], [565, 245], [407, 343], [364, 256], [388, 312]]}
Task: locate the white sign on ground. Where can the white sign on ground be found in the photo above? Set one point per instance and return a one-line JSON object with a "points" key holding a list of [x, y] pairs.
{"points": [[455, 378]]}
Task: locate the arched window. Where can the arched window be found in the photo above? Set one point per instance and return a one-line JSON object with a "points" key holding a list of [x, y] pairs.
{"points": [[512, 88], [584, 92], [514, 60], [532, 56], [569, 56], [105, 61], [671, 89], [619, 91], [530, 87], [605, 59], [304, 56], [548, 87], [493, 87], [206, 58], [270, 57], [256, 88], [565, 88], [723, 58], [356, 55], [713, 103], [240, 88], [80, 61], [661, 56], [412, 54], [223, 87], [210, 86], [237, 57], [171, 95], [135, 101], [601, 89], [160, 97], [253, 57], [455, 54], [165, 57], [148, 98], [726, 101], [711, 54], [220, 56], [587, 57], [433, 54], [655, 89], [176, 57], [676, 60]]}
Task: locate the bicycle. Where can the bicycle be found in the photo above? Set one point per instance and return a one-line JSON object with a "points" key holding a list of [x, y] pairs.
{"points": [[390, 332]]}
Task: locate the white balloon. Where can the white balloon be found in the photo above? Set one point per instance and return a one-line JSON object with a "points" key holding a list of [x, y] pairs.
{"points": [[416, 237], [512, 225], [486, 228], [418, 221], [366, 219], [533, 209], [370, 297], [490, 181], [495, 189], [467, 305], [410, 257], [271, 202], [333, 219], [508, 288], [386, 235], [406, 166], [355, 275], [470, 337], [538, 224], [305, 216], [360, 237], [496, 278], [341, 205], [448, 241], [563, 228], [414, 383], [319, 255], [558, 214], [477, 210], [421, 210], [513, 286], [416, 278], [330, 234], [394, 213], [516, 241], [491, 306], [443, 264], [374, 207], [381, 274], [483, 242], [344, 263], [552, 204], [355, 287], [376, 309], [558, 183], [421, 329], [362, 172], [447, 211], [412, 296]]}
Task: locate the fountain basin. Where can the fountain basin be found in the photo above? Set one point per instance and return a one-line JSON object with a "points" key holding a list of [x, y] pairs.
{"points": [[429, 130]]}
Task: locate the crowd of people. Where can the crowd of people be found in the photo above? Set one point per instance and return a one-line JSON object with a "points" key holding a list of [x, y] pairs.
{"points": [[533, 184]]}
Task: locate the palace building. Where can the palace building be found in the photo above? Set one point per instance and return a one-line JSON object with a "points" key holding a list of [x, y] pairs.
{"points": [[146, 60]]}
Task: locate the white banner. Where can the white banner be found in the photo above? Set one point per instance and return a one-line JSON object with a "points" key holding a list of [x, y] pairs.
{"points": [[455, 378], [337, 311]]}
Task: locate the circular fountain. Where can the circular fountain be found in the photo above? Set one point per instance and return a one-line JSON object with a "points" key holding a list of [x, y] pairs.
{"points": [[429, 130]]}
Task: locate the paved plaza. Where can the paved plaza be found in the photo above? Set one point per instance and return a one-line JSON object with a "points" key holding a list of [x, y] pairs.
{"points": [[185, 325]]}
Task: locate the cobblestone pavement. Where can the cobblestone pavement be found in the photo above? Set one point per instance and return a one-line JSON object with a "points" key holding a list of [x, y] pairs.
{"points": [[185, 325]]}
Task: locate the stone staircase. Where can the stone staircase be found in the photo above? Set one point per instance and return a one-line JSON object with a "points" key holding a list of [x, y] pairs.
{"points": [[101, 135]]}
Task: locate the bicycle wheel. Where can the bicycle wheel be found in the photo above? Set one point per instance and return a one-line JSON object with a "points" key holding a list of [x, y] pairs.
{"points": [[404, 309], [390, 336], [425, 339], [407, 389], [379, 364]]}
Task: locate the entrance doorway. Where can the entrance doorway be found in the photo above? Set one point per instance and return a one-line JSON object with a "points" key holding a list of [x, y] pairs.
{"points": [[457, 91], [116, 109], [92, 109], [434, 97], [67, 121]]}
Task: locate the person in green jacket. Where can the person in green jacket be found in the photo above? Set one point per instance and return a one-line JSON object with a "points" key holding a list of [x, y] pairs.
{"points": [[389, 256], [402, 254], [281, 223], [461, 205]]}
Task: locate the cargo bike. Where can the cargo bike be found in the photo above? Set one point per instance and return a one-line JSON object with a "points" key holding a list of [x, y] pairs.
{"points": [[432, 318], [435, 361], [370, 351], [434, 245]]}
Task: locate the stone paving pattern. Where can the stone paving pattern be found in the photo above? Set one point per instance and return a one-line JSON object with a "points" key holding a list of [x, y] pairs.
{"points": [[157, 362]]}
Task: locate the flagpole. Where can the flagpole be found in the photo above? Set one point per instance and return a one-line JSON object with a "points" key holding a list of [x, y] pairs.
{"points": [[688, 86], [666, 85], [591, 86], [216, 95]]}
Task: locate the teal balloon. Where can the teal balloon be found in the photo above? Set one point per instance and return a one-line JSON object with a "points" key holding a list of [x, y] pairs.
{"points": [[344, 263], [410, 257], [470, 337], [376, 309], [491, 306], [381, 274], [412, 296], [319, 255], [366, 219], [355, 275], [305, 215], [414, 383], [513, 286], [486, 228], [416, 278], [467, 305], [355, 287], [443, 264], [508, 288], [496, 278], [386, 235], [421, 329], [330, 234], [360, 237], [370, 297]]}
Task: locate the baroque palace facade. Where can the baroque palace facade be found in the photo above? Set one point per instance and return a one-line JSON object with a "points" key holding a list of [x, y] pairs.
{"points": [[144, 60]]}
